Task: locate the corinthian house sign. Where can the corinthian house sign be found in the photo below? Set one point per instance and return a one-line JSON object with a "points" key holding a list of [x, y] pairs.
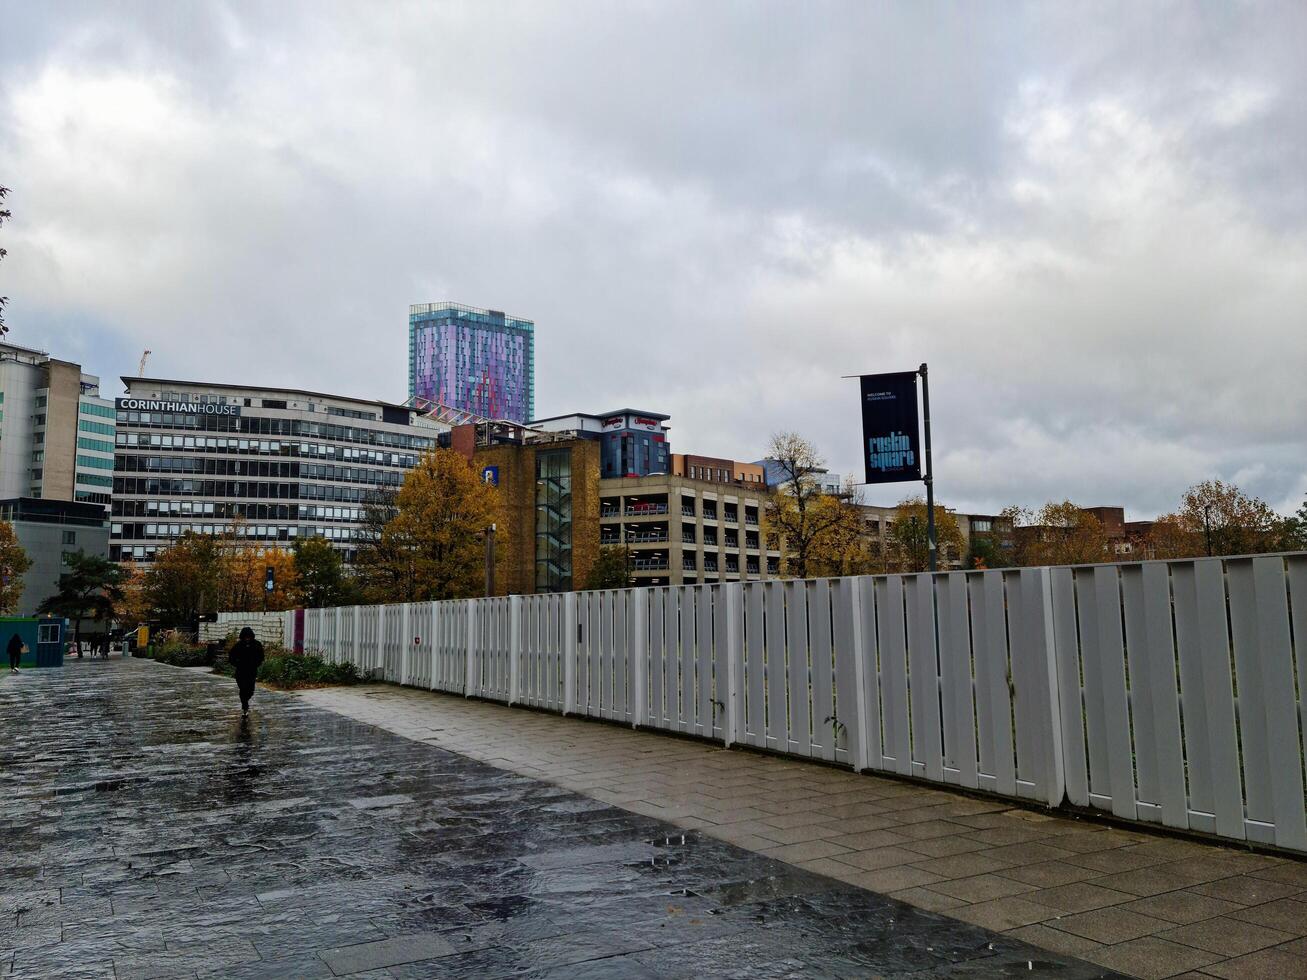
{"points": [[890, 433], [177, 408]]}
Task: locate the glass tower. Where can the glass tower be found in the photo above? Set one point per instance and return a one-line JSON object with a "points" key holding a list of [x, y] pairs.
{"points": [[479, 361]]}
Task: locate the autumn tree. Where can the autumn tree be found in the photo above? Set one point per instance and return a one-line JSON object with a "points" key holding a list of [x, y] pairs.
{"points": [[444, 510], [906, 539], [320, 569], [90, 589], [816, 529], [13, 563], [137, 606], [244, 572], [384, 564], [185, 579], [1238, 524], [611, 570], [1058, 534]]}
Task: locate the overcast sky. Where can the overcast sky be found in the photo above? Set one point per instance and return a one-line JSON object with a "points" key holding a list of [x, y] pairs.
{"points": [[1091, 221]]}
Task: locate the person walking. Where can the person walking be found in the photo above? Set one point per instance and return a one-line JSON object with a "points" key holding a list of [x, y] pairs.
{"points": [[246, 656], [15, 652]]}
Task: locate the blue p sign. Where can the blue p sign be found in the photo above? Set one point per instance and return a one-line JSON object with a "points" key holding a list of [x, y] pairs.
{"points": [[490, 474]]}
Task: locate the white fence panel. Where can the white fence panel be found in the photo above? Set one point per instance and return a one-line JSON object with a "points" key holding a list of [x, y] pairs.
{"points": [[1165, 692], [541, 668], [1191, 705]]}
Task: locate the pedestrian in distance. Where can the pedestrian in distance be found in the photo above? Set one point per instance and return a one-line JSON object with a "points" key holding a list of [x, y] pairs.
{"points": [[246, 656], [16, 647]]}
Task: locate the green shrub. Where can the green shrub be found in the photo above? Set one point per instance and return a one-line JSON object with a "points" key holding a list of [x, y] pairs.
{"points": [[180, 653], [286, 669]]}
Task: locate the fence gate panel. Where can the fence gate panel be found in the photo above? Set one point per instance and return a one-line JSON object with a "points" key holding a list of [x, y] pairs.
{"points": [[1154, 697], [892, 647], [825, 718], [796, 648], [778, 730], [1038, 741], [755, 669], [1206, 690], [923, 678], [658, 714], [1107, 720], [1268, 715], [706, 712], [959, 716]]}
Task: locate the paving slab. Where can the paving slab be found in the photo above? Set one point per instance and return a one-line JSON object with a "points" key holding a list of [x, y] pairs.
{"points": [[1070, 879], [148, 831]]}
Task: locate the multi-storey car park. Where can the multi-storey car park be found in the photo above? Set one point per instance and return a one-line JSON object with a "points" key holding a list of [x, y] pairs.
{"points": [[273, 464]]}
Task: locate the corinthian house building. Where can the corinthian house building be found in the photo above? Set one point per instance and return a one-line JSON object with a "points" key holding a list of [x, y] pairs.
{"points": [[279, 464]]}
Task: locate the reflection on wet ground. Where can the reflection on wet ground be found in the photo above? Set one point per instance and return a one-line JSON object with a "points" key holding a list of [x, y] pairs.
{"points": [[149, 832]]}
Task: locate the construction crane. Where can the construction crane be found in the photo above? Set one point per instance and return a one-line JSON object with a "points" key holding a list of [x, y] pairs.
{"points": [[140, 368]]}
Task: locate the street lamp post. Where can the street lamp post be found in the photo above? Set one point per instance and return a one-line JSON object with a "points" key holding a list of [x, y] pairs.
{"points": [[1207, 527]]}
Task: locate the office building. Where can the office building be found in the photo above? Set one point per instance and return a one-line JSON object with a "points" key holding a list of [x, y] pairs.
{"points": [[634, 442], [278, 464], [49, 531], [549, 485], [56, 432], [682, 531], [714, 469], [478, 361]]}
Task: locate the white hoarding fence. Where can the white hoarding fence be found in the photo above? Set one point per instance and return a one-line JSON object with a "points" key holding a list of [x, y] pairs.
{"points": [[1166, 692]]}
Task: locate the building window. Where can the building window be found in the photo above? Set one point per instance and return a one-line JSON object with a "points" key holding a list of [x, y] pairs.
{"points": [[70, 537], [47, 633]]}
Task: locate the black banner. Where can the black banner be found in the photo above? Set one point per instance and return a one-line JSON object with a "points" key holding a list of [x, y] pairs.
{"points": [[891, 437]]}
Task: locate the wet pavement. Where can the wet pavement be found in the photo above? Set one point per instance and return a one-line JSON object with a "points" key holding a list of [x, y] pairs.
{"points": [[147, 832]]}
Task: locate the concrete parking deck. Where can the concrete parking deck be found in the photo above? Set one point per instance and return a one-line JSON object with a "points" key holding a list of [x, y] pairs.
{"points": [[148, 832], [1142, 904]]}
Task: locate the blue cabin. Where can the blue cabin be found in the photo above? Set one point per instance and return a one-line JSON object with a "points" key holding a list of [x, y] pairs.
{"points": [[43, 636]]}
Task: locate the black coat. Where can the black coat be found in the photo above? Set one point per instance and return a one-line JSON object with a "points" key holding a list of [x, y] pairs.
{"points": [[15, 645], [246, 656]]}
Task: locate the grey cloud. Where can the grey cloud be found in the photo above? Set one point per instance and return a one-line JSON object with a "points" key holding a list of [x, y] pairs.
{"points": [[1088, 219]]}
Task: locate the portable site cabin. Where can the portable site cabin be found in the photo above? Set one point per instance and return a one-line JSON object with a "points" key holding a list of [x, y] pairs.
{"points": [[43, 637]]}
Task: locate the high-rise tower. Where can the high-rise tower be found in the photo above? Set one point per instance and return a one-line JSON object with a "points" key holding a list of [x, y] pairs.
{"points": [[479, 361]]}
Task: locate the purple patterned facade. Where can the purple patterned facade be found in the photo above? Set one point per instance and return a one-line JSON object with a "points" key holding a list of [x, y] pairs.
{"points": [[479, 361]]}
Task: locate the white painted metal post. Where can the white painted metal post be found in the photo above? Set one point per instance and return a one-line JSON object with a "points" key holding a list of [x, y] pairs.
{"points": [[514, 646], [732, 607], [435, 644], [381, 641], [569, 653], [335, 644], [404, 635], [468, 686], [1042, 637], [861, 756], [354, 657], [638, 665]]}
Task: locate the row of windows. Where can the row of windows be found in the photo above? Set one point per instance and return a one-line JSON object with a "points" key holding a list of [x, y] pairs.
{"points": [[156, 509], [341, 536], [257, 468], [264, 447], [94, 480], [94, 462], [98, 445], [253, 425], [99, 428], [104, 411], [164, 487]]}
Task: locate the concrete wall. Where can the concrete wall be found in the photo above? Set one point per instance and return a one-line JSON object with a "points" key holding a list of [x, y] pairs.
{"points": [[45, 545], [268, 627], [65, 386], [19, 382]]}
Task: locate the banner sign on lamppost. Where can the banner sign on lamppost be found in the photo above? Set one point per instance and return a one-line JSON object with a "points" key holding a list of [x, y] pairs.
{"points": [[891, 450], [892, 446]]}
